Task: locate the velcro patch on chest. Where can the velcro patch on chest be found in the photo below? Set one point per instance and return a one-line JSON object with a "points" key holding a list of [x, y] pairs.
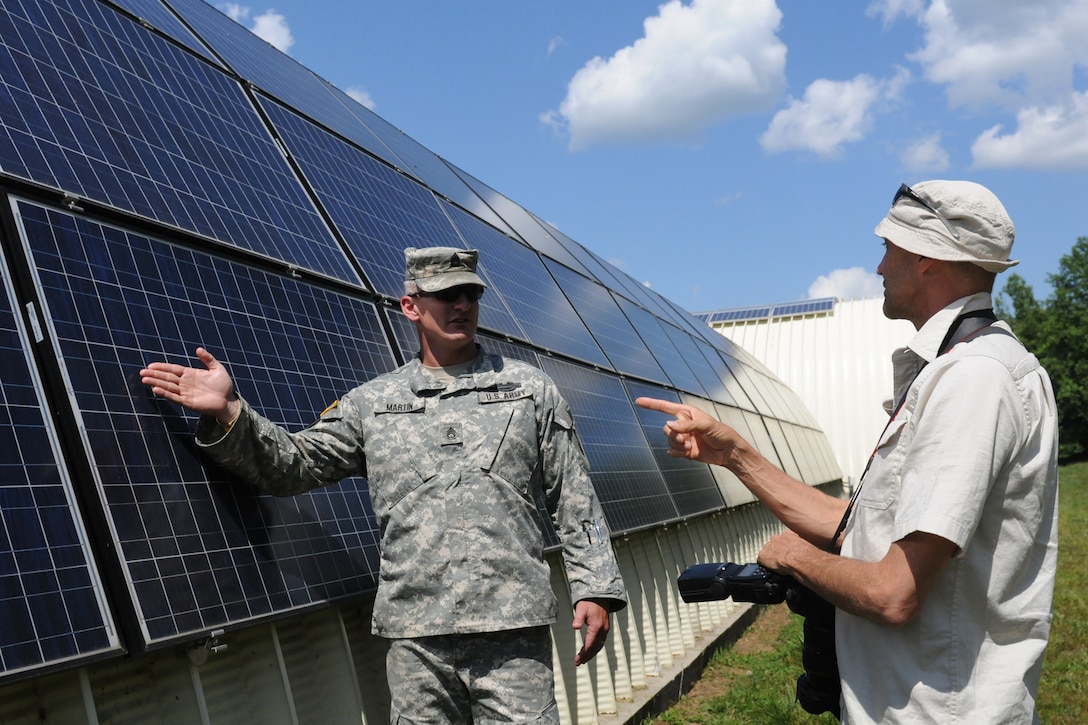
{"points": [[503, 393], [451, 435], [408, 406]]}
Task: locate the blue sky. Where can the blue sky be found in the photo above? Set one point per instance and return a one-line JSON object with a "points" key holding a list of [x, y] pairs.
{"points": [[727, 152]]}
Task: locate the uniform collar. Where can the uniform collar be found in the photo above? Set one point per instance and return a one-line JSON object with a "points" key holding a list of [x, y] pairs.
{"points": [[424, 381]]}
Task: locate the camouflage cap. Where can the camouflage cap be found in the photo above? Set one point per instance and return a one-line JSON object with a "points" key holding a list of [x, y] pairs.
{"points": [[439, 268]]}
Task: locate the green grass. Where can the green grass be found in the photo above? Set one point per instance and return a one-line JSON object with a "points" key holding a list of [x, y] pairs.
{"points": [[760, 686], [1063, 690]]}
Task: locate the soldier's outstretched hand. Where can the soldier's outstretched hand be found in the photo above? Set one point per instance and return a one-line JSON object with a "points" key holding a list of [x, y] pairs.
{"points": [[208, 390]]}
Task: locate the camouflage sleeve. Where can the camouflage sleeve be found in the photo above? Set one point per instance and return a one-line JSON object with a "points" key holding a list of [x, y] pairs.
{"points": [[590, 561], [283, 463]]}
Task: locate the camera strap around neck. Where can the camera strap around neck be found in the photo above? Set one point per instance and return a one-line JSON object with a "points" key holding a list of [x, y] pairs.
{"points": [[965, 325]]}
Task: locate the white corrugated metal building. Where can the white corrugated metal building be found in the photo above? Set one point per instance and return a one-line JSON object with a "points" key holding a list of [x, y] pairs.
{"points": [[835, 354]]}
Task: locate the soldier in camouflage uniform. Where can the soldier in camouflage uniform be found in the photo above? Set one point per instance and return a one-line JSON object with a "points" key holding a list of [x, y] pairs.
{"points": [[458, 445]]}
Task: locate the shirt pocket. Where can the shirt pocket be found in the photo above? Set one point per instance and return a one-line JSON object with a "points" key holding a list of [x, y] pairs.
{"points": [[510, 446], [880, 486], [398, 459]]}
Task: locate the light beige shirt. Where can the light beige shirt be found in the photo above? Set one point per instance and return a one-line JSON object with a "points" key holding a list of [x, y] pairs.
{"points": [[970, 457]]}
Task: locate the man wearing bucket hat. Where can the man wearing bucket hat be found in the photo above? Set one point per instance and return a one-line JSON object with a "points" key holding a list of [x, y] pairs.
{"points": [[458, 446], [944, 580]]}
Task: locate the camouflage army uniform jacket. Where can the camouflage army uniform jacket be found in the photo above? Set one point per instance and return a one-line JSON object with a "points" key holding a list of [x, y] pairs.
{"points": [[455, 471]]}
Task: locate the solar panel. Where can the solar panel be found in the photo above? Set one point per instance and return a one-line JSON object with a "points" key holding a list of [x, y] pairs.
{"points": [[631, 489], [52, 603], [524, 224], [158, 16], [691, 484], [670, 359], [283, 78], [199, 548], [612, 330], [378, 210], [132, 121]]}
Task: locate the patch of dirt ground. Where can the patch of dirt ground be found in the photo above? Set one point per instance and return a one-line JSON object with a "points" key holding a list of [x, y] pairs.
{"points": [[761, 636]]}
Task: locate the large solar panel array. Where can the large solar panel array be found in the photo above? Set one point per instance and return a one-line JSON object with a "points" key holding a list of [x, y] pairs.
{"points": [[170, 181]]}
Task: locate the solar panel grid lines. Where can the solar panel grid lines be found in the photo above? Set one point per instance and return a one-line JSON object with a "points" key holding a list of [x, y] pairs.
{"points": [[52, 602], [623, 470], [155, 132], [158, 16], [691, 484], [377, 209], [177, 523]]}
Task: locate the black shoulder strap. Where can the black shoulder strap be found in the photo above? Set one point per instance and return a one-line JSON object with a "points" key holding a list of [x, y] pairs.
{"points": [[966, 325]]}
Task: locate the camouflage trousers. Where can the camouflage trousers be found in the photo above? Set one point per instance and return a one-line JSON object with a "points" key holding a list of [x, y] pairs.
{"points": [[477, 679]]}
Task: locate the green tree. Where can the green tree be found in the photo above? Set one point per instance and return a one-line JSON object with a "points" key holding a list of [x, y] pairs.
{"points": [[1057, 331]]}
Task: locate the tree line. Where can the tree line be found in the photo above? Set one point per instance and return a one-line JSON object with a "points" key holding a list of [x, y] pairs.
{"points": [[1056, 330]]}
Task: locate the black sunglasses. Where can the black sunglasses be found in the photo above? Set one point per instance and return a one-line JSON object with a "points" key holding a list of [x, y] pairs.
{"points": [[451, 294], [906, 191]]}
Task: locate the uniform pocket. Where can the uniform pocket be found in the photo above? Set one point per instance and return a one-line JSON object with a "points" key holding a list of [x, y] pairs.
{"points": [[511, 446], [398, 460]]}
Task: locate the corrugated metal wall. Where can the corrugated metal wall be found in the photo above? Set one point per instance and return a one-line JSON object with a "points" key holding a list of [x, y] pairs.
{"points": [[838, 363], [324, 668]]}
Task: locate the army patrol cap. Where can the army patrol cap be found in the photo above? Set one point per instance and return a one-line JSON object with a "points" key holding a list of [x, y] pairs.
{"points": [[439, 268]]}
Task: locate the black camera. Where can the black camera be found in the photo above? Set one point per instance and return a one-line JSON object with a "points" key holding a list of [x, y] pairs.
{"points": [[819, 688]]}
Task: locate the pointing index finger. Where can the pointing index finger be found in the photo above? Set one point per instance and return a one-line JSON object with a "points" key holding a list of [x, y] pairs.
{"points": [[665, 406]]}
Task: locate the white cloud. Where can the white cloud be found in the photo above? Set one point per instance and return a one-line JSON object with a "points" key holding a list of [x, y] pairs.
{"points": [[270, 26], [1026, 59], [926, 154], [361, 96], [889, 10], [727, 198], [830, 114], [1052, 137], [1007, 52], [695, 65], [847, 284], [554, 44]]}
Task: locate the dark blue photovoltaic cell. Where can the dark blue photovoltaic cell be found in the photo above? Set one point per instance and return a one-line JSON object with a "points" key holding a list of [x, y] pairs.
{"points": [[201, 548], [612, 330], [274, 72], [283, 78], [108, 111], [524, 224], [623, 469], [708, 366], [378, 210], [51, 605], [652, 332], [155, 14], [691, 484]]}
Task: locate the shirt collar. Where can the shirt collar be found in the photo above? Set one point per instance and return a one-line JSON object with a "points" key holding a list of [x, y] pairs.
{"points": [[927, 341]]}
